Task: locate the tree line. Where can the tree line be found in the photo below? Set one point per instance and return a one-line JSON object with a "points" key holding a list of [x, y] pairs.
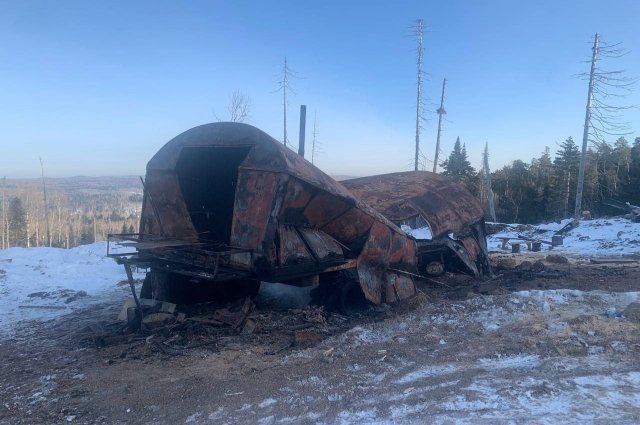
{"points": [[74, 218], [544, 189]]}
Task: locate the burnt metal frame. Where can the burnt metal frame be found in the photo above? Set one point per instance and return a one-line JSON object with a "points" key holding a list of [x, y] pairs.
{"points": [[186, 259]]}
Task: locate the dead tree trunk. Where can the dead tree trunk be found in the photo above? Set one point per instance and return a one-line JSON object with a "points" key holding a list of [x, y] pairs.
{"points": [[487, 173], [441, 112], [566, 195], [585, 133], [46, 210], [419, 32], [4, 217]]}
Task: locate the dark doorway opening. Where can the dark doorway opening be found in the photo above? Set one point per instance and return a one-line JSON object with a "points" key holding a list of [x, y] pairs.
{"points": [[208, 178]]}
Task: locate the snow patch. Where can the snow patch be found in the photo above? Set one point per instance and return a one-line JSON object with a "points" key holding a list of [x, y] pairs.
{"points": [[527, 361], [592, 238], [43, 283], [267, 402], [425, 373]]}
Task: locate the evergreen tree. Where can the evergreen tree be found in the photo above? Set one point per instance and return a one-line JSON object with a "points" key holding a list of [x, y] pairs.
{"points": [[542, 176], [516, 190], [607, 180], [632, 190], [17, 218], [622, 153], [566, 164], [458, 167]]}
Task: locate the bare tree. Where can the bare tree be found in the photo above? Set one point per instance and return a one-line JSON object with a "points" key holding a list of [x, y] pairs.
{"points": [[441, 112], [418, 32], [602, 116], [315, 144], [284, 86], [5, 231], [487, 174], [239, 107], [46, 210]]}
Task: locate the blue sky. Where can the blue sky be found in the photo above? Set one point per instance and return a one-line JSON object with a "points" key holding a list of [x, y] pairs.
{"points": [[97, 87]]}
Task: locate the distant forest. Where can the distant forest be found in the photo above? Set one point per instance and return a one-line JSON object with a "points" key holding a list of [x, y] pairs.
{"points": [[84, 210], [81, 210], [545, 188]]}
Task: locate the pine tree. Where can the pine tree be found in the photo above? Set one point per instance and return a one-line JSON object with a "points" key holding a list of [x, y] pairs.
{"points": [[632, 190], [542, 175], [458, 167], [566, 165], [622, 152], [17, 218]]}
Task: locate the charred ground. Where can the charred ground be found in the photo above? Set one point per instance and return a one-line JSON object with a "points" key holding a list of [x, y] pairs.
{"points": [[292, 363]]}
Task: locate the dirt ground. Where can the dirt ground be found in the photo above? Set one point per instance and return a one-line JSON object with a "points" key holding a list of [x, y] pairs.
{"points": [[542, 342]]}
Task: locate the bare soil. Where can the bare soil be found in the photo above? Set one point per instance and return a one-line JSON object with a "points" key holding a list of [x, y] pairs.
{"points": [[461, 350]]}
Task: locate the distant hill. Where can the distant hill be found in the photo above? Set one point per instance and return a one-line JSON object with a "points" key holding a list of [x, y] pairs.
{"points": [[340, 177], [98, 184], [71, 184]]}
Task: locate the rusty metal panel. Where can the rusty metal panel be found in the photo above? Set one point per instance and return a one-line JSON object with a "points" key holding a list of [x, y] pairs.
{"points": [[349, 226], [324, 208], [254, 199], [471, 245], [373, 261], [322, 245], [403, 252], [295, 200], [291, 249], [446, 205], [168, 206], [398, 287]]}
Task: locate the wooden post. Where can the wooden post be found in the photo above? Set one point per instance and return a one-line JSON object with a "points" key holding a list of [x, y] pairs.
{"points": [[441, 112]]}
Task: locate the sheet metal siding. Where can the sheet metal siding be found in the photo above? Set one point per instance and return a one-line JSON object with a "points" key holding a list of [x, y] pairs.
{"points": [[446, 205]]}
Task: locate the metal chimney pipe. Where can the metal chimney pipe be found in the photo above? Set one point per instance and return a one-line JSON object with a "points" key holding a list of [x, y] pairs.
{"points": [[303, 125]]}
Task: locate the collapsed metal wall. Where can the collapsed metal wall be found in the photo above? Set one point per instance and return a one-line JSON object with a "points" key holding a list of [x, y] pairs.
{"points": [[448, 208]]}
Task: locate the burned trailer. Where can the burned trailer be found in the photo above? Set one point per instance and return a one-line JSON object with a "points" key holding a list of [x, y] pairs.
{"points": [[446, 220], [226, 205]]}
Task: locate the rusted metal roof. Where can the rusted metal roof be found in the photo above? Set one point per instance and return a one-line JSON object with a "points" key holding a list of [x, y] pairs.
{"points": [[446, 205], [267, 154]]}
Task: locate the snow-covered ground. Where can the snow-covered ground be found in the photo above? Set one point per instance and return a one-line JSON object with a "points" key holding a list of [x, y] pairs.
{"points": [[603, 237], [542, 356], [44, 283], [536, 356]]}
